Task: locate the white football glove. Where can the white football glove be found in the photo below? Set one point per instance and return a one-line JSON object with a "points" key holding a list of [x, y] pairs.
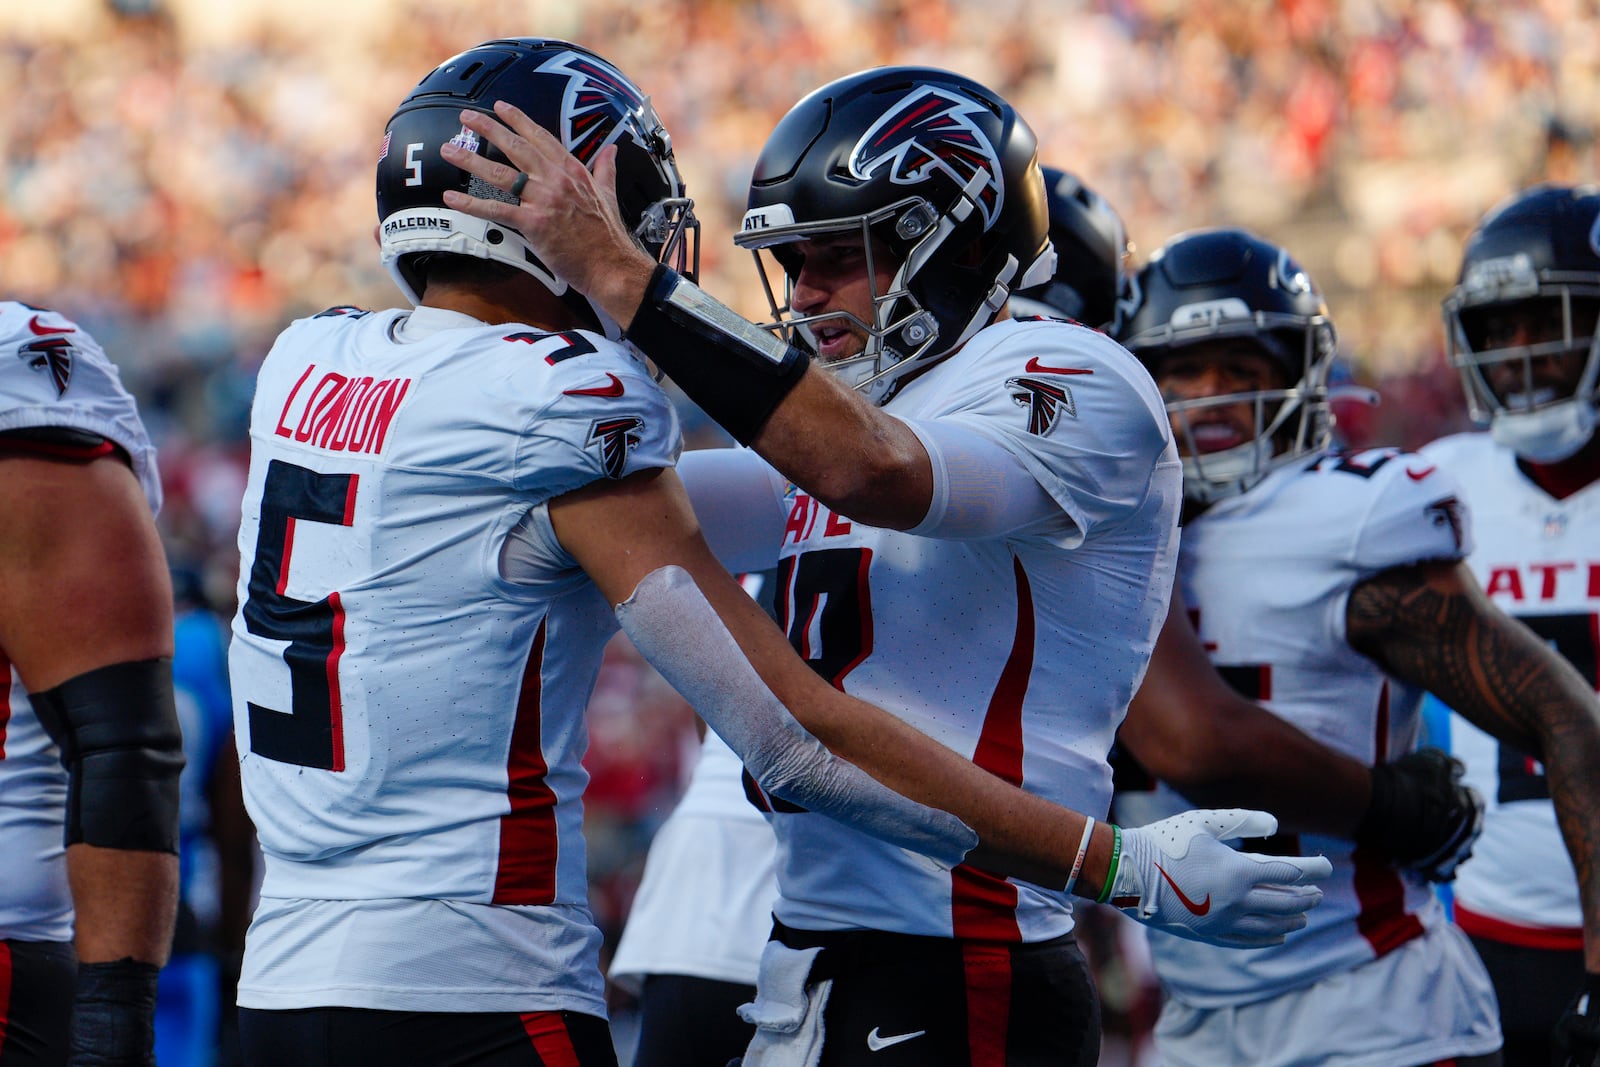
{"points": [[1177, 875]]}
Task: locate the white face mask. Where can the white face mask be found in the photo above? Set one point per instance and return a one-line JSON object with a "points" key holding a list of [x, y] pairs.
{"points": [[1547, 435]]}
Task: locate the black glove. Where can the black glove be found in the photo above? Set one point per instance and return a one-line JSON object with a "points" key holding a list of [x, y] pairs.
{"points": [[113, 1015], [1421, 815], [1577, 1032]]}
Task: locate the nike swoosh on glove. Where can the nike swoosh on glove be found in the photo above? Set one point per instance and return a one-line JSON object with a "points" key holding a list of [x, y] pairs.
{"points": [[1177, 875]]}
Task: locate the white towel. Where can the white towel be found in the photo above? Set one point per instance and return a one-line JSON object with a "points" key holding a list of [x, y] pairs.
{"points": [[786, 1014]]}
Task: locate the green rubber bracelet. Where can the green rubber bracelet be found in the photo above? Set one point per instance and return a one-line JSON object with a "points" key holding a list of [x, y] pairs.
{"points": [[1111, 870]]}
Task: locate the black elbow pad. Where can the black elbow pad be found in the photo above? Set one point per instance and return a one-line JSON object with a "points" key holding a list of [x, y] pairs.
{"points": [[117, 728]]}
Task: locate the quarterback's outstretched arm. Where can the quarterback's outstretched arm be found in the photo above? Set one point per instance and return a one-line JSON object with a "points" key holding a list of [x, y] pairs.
{"points": [[1431, 625], [86, 618]]}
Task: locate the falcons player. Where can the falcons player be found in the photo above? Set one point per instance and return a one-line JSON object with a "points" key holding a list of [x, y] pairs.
{"points": [[448, 509], [1330, 587], [979, 534], [1520, 326], [90, 750]]}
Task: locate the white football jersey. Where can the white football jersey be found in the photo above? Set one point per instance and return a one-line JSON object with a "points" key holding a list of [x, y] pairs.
{"points": [[1538, 559], [1020, 652], [52, 374], [410, 719], [1267, 576]]}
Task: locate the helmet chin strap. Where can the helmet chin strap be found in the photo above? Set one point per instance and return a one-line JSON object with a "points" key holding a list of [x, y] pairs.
{"points": [[1548, 435]]}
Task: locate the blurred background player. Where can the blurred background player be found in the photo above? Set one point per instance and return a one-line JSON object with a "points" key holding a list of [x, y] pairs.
{"points": [[1520, 326], [90, 751], [1329, 586]]}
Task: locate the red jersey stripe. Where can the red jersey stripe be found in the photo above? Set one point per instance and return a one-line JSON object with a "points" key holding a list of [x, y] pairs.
{"points": [[5, 699], [528, 845], [1548, 938], [982, 905], [1383, 919]]}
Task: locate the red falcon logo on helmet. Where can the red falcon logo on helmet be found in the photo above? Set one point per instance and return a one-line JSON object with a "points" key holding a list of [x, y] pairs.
{"points": [[53, 355], [930, 130], [1045, 401], [616, 437], [596, 105]]}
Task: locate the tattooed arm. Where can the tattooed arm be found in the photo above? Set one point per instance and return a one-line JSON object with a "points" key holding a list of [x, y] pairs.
{"points": [[1431, 625]]}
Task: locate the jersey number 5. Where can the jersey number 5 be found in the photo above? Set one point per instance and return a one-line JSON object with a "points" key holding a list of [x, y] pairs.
{"points": [[311, 734]]}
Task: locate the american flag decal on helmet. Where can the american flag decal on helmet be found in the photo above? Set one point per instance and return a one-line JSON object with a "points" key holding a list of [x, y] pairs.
{"points": [[53, 355], [596, 105], [931, 129], [616, 438], [1045, 401]]}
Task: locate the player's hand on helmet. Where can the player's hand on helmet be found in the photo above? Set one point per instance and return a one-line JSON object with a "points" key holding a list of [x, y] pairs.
{"points": [[1177, 875], [568, 214], [1577, 1032], [1422, 815]]}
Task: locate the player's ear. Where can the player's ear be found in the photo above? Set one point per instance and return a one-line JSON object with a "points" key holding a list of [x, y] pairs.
{"points": [[377, 236]]}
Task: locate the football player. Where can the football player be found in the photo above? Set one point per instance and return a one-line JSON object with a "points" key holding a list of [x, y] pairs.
{"points": [[975, 522], [448, 510], [90, 748], [1330, 586], [708, 868], [1520, 326]]}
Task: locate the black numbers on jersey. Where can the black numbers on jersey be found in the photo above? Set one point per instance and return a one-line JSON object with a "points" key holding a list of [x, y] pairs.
{"points": [[825, 607], [311, 734], [1349, 464], [1574, 636], [575, 344]]}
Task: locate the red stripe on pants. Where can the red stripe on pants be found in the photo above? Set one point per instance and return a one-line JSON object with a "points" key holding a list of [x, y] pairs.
{"points": [[5, 991], [548, 1032], [987, 968]]}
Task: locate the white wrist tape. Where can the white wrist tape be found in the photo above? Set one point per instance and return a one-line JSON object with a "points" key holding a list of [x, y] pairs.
{"points": [[674, 627]]}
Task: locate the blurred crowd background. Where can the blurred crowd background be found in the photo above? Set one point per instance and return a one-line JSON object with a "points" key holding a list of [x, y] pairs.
{"points": [[185, 176]]}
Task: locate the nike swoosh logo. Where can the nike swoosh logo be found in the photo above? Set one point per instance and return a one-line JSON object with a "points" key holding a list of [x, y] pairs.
{"points": [[1183, 898], [878, 1044], [610, 392], [40, 330], [1035, 367], [1417, 476]]}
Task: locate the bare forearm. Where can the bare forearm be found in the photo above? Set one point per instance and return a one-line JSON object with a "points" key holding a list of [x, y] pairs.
{"points": [[1446, 637], [126, 903], [862, 464]]}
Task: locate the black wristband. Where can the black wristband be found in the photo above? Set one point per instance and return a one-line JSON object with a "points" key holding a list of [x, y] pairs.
{"points": [[737, 372], [113, 1015]]}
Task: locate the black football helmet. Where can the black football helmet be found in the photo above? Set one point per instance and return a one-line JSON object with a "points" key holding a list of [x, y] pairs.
{"points": [[1091, 284], [1534, 258], [576, 95], [942, 171], [1211, 284]]}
